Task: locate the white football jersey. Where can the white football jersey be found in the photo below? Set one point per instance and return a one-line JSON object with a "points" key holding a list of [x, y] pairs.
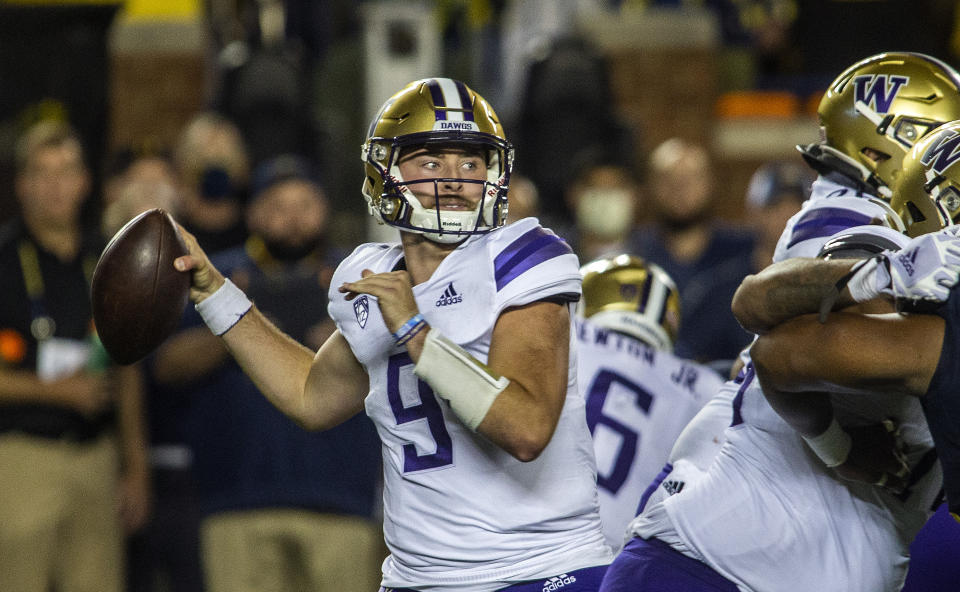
{"points": [[767, 514], [638, 401], [460, 512], [831, 208]]}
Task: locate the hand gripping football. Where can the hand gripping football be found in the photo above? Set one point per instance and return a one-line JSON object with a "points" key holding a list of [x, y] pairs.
{"points": [[138, 297]]}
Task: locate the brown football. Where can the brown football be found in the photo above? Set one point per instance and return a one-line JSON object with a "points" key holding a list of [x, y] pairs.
{"points": [[138, 297]]}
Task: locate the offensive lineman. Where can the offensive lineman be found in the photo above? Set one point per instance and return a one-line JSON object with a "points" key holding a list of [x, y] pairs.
{"points": [[859, 158], [455, 341], [639, 395]]}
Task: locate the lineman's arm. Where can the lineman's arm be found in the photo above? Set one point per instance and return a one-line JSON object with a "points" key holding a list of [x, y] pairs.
{"points": [[798, 362], [788, 289], [319, 391], [889, 353], [925, 269]]}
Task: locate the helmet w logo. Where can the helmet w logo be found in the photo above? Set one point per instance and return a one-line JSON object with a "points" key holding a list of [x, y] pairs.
{"points": [[878, 90], [943, 152]]}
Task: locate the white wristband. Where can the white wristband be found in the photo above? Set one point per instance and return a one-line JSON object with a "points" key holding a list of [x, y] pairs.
{"points": [[863, 283], [832, 446], [224, 308], [455, 375]]}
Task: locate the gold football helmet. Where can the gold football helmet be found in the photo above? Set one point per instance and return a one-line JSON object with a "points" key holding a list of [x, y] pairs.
{"points": [[627, 294], [438, 111], [926, 196], [876, 110]]}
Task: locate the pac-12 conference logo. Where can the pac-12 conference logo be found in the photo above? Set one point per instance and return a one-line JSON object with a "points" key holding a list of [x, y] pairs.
{"points": [[361, 308], [878, 90]]}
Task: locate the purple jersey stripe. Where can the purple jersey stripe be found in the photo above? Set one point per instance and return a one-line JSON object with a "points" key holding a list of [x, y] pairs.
{"points": [[824, 222], [465, 101], [439, 102], [667, 468], [533, 248], [748, 374]]}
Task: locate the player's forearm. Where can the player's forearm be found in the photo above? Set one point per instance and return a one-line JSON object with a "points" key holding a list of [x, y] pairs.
{"points": [[519, 423], [786, 290], [277, 364]]}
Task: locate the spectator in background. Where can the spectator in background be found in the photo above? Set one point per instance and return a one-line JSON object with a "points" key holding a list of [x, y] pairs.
{"points": [[136, 183], [71, 428], [774, 194], [165, 554], [603, 196], [706, 258], [567, 106], [283, 508], [212, 163], [524, 199]]}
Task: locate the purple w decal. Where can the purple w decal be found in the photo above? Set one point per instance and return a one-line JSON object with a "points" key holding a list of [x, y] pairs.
{"points": [[878, 90], [944, 150]]}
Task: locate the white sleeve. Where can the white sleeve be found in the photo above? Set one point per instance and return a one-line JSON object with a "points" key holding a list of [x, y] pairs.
{"points": [[531, 263]]}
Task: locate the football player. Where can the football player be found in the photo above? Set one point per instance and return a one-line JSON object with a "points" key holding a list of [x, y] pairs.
{"points": [[639, 395], [870, 116], [455, 340], [787, 495]]}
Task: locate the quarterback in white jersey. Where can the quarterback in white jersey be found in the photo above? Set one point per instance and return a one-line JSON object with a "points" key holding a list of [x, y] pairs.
{"points": [[456, 340], [769, 515], [639, 395]]}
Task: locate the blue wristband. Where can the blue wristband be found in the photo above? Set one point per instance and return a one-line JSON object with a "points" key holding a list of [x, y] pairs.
{"points": [[409, 329]]}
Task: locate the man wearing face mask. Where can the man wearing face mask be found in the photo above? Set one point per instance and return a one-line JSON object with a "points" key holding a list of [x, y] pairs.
{"points": [[706, 259], [212, 161], [278, 501], [603, 198]]}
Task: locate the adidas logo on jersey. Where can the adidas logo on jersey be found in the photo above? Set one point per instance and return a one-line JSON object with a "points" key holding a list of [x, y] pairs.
{"points": [[557, 582], [449, 296], [673, 487]]}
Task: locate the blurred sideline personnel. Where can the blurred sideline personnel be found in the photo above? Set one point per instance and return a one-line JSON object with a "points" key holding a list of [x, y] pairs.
{"points": [[165, 554], [71, 425], [705, 258], [283, 508], [639, 395], [213, 166], [456, 341], [835, 203], [603, 196], [776, 192]]}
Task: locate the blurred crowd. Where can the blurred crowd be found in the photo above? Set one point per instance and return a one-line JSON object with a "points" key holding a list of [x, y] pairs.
{"points": [[217, 487]]}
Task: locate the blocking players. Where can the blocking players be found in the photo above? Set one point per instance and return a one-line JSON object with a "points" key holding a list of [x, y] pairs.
{"points": [[455, 340], [639, 395], [832, 518]]}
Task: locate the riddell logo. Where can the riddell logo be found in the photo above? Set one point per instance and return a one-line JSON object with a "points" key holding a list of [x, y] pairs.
{"points": [[557, 582], [450, 296]]}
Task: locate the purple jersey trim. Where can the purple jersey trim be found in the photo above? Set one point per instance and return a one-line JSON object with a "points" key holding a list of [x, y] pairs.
{"points": [[823, 222], [748, 375], [666, 470], [531, 249]]}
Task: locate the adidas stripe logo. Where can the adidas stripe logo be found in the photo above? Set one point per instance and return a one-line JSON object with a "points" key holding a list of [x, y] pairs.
{"points": [[557, 582], [449, 296]]}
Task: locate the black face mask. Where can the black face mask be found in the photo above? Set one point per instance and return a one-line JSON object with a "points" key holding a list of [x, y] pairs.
{"points": [[288, 253], [215, 184]]}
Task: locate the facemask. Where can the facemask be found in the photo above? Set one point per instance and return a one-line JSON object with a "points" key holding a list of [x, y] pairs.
{"points": [[215, 183], [607, 213]]}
